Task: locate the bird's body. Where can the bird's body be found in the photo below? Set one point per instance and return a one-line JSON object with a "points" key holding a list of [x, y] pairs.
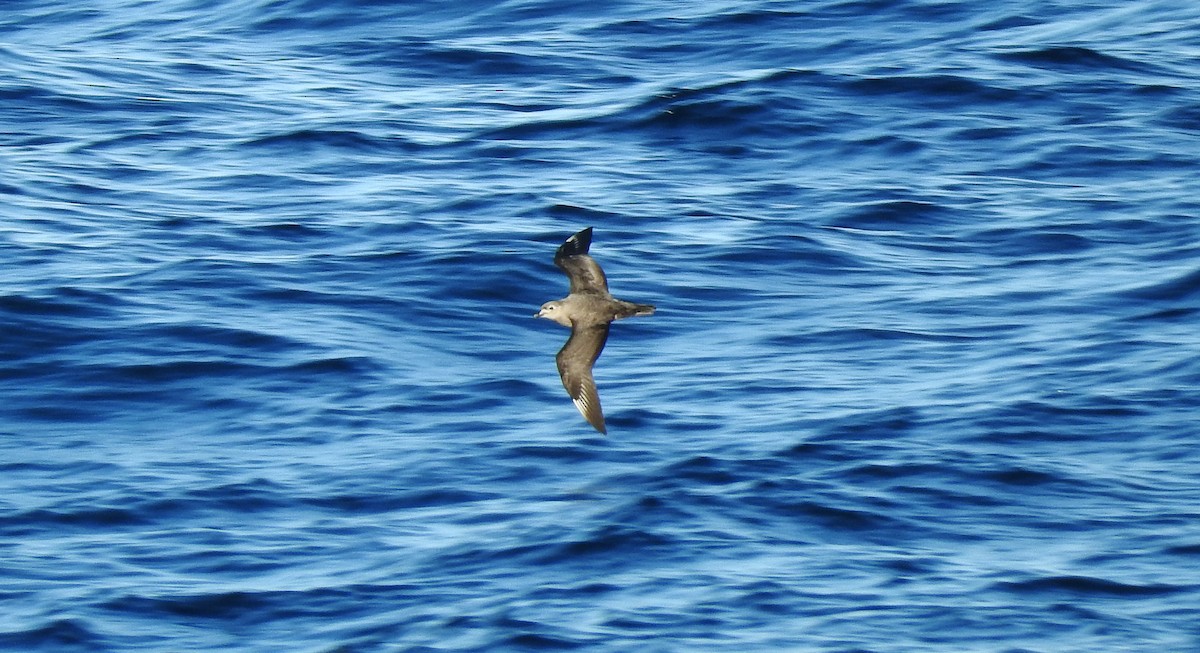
{"points": [[588, 311]]}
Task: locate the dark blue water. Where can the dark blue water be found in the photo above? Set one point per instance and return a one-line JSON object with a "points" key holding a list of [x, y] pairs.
{"points": [[923, 375]]}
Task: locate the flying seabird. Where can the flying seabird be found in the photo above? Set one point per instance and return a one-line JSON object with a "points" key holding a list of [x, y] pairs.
{"points": [[588, 310]]}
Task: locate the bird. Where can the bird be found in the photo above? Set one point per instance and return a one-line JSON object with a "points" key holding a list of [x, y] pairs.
{"points": [[588, 310]]}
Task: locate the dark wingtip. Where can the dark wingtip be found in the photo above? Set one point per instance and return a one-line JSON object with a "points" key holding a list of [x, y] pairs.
{"points": [[576, 244]]}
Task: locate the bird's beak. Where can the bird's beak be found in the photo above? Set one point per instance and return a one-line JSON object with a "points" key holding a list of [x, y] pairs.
{"points": [[537, 314]]}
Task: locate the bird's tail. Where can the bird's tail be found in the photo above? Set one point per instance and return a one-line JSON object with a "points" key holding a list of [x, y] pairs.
{"points": [[629, 309]]}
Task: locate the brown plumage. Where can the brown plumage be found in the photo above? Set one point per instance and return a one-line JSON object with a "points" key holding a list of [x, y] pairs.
{"points": [[588, 310]]}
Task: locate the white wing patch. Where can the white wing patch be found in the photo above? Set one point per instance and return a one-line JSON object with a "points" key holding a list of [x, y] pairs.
{"points": [[581, 403], [588, 404]]}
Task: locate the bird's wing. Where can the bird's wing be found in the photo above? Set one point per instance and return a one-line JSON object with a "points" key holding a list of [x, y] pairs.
{"points": [[575, 361], [583, 271]]}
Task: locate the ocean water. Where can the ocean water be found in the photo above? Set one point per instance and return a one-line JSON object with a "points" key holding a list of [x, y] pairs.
{"points": [[923, 375]]}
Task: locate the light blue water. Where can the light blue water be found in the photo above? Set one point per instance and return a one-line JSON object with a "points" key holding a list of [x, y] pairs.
{"points": [[922, 377]]}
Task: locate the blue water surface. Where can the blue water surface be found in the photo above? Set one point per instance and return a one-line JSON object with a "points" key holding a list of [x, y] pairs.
{"points": [[923, 375]]}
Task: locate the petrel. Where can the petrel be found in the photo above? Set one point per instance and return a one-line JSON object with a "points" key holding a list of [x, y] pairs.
{"points": [[587, 310]]}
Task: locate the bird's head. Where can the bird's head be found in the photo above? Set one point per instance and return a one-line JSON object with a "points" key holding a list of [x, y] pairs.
{"points": [[554, 311]]}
